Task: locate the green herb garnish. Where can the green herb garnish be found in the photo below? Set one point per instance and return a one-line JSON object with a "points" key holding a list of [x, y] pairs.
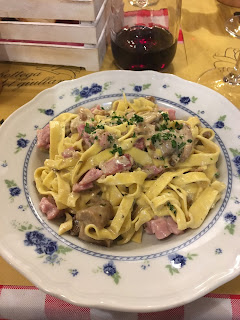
{"points": [[178, 125], [88, 129], [171, 207], [110, 138], [117, 149]]}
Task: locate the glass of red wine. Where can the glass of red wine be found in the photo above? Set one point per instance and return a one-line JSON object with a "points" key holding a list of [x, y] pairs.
{"points": [[144, 33], [224, 80]]}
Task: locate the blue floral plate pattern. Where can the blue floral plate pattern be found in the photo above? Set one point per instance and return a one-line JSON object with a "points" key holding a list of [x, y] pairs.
{"points": [[155, 275]]}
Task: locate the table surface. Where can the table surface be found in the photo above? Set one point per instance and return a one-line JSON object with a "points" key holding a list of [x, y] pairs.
{"points": [[206, 45]]}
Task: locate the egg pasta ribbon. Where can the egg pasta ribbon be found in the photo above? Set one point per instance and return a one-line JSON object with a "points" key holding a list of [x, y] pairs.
{"points": [[135, 159]]}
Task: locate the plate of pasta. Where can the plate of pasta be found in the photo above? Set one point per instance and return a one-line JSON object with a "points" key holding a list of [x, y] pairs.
{"points": [[125, 195]]}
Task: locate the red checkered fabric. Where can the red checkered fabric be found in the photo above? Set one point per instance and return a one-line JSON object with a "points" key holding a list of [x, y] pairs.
{"points": [[29, 303]]}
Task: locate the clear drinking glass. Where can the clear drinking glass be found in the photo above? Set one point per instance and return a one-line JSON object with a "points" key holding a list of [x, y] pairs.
{"points": [[226, 81], [144, 35]]}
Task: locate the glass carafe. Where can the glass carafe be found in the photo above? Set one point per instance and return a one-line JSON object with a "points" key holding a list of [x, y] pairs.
{"points": [[144, 36]]}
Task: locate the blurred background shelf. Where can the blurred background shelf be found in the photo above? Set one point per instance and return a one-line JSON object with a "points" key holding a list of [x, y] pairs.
{"points": [[40, 34]]}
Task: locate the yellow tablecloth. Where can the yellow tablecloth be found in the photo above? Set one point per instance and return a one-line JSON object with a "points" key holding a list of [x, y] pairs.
{"points": [[206, 45]]}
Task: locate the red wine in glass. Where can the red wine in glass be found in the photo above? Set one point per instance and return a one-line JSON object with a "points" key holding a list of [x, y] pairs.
{"points": [[143, 48]]}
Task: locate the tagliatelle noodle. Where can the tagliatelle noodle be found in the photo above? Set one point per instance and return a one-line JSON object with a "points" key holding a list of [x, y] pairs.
{"points": [[166, 195]]}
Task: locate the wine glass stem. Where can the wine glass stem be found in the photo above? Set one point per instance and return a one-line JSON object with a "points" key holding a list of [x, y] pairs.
{"points": [[234, 76], [237, 66]]}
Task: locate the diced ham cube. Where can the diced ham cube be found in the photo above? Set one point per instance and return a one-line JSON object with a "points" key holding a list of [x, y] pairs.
{"points": [[140, 144], [87, 181], [162, 227], [171, 112], [95, 108], [172, 225], [68, 153], [159, 227], [81, 129], [48, 206], [103, 140], [153, 171], [92, 175], [98, 110], [43, 137], [77, 187], [119, 164]]}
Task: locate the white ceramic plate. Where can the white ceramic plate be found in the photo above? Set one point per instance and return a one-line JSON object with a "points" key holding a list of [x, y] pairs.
{"points": [[155, 275]]}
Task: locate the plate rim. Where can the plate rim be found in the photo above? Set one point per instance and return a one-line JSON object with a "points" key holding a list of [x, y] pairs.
{"points": [[102, 304]]}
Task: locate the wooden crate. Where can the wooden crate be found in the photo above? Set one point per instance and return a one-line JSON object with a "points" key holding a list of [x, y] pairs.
{"points": [[82, 43], [82, 10]]}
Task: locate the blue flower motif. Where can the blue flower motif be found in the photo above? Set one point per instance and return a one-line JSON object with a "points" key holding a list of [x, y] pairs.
{"points": [[75, 92], [34, 238], [50, 247], [49, 112], [74, 272], [95, 88], [23, 208], [43, 244], [85, 92], [47, 246], [14, 191], [230, 218], [185, 100], [164, 86], [218, 251], [53, 259], [22, 143], [236, 160], [109, 268], [218, 124], [177, 260], [137, 88], [4, 164]]}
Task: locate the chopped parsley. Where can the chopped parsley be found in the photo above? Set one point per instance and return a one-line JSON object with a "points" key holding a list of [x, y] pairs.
{"points": [[137, 118], [119, 119], [162, 127], [117, 149], [110, 138], [181, 145], [167, 136], [163, 136], [155, 138], [100, 126], [174, 144], [165, 116], [88, 129], [171, 207], [178, 125], [189, 140]]}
